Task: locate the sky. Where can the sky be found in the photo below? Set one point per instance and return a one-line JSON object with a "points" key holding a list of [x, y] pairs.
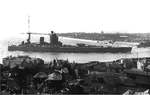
{"points": [[124, 16]]}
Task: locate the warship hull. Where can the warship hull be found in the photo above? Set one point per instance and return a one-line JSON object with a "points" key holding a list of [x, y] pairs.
{"points": [[72, 49]]}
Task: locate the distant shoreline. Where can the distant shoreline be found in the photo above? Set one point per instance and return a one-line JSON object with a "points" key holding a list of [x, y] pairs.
{"points": [[127, 37]]}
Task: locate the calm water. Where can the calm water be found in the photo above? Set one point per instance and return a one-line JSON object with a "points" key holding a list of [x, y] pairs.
{"points": [[77, 57]]}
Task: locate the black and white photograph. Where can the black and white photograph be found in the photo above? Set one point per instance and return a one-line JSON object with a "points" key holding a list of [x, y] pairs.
{"points": [[74, 47]]}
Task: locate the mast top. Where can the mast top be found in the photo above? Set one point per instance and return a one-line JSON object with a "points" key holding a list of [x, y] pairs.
{"points": [[28, 24]]}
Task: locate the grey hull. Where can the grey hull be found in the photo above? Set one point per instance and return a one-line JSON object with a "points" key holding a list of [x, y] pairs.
{"points": [[71, 49]]}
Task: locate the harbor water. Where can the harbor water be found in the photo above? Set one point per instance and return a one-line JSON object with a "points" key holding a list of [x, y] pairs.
{"points": [[76, 57]]}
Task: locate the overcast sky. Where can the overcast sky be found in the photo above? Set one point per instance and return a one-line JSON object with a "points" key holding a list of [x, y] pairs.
{"points": [[128, 16]]}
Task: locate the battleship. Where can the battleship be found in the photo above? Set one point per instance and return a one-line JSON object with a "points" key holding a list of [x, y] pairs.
{"points": [[57, 46]]}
